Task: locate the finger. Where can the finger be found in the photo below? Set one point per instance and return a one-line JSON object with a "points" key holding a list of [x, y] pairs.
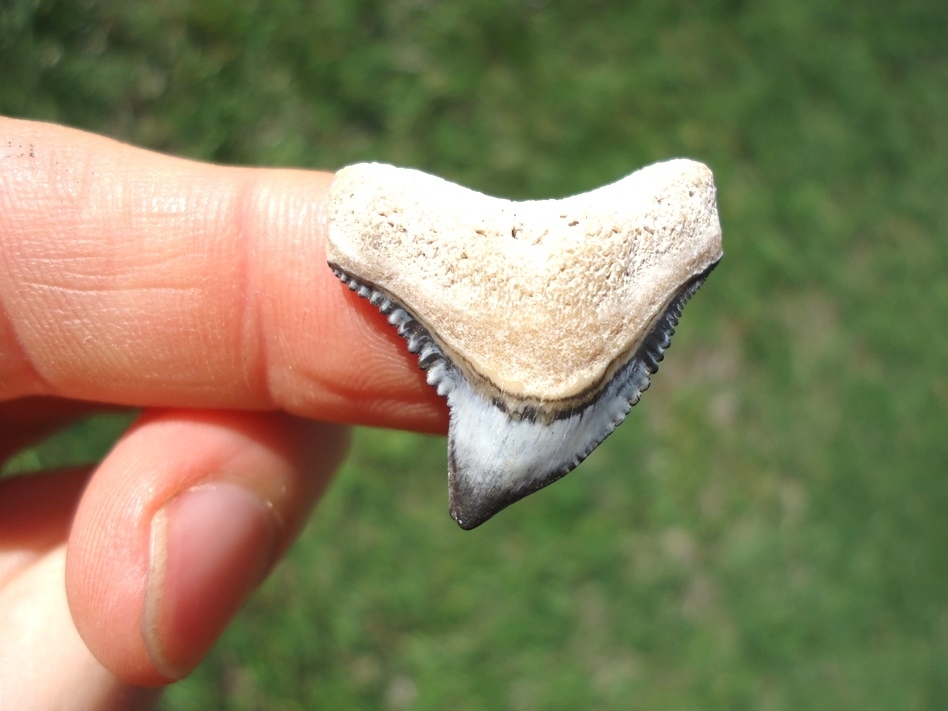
{"points": [[182, 520], [44, 664], [131, 277], [35, 514]]}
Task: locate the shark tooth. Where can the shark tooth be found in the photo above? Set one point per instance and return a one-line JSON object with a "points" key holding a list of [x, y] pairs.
{"points": [[541, 322]]}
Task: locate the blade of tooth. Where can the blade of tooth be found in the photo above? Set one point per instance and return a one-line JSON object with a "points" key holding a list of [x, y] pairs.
{"points": [[541, 322], [495, 459]]}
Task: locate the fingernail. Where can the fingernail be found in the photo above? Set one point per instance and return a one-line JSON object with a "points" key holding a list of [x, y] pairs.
{"points": [[210, 547]]}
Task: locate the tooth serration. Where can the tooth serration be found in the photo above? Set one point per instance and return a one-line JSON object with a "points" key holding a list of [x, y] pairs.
{"points": [[540, 321]]}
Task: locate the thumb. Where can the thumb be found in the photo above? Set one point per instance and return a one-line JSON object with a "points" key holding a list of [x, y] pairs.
{"points": [[180, 523]]}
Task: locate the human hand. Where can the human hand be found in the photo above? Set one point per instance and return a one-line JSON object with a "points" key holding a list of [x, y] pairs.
{"points": [[200, 294]]}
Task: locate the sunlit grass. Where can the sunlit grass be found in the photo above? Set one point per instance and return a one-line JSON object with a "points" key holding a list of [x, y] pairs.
{"points": [[85, 442]]}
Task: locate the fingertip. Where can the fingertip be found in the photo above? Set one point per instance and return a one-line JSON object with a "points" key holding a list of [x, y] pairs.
{"points": [[181, 522], [210, 548]]}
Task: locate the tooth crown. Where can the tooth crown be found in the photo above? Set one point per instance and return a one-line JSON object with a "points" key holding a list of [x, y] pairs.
{"points": [[540, 298]]}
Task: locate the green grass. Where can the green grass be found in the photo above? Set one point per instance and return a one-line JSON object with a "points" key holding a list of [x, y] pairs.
{"points": [[768, 529]]}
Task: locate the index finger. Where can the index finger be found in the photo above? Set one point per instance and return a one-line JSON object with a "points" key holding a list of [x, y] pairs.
{"points": [[135, 278]]}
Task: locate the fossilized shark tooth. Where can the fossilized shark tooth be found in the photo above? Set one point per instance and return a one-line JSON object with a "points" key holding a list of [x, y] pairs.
{"points": [[541, 322]]}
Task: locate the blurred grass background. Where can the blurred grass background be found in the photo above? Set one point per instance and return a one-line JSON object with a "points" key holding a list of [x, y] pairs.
{"points": [[769, 529]]}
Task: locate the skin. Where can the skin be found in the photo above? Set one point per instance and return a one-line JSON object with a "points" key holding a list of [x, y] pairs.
{"points": [[198, 294]]}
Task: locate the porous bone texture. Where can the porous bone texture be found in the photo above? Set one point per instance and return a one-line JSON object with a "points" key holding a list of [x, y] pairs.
{"points": [[541, 299]]}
